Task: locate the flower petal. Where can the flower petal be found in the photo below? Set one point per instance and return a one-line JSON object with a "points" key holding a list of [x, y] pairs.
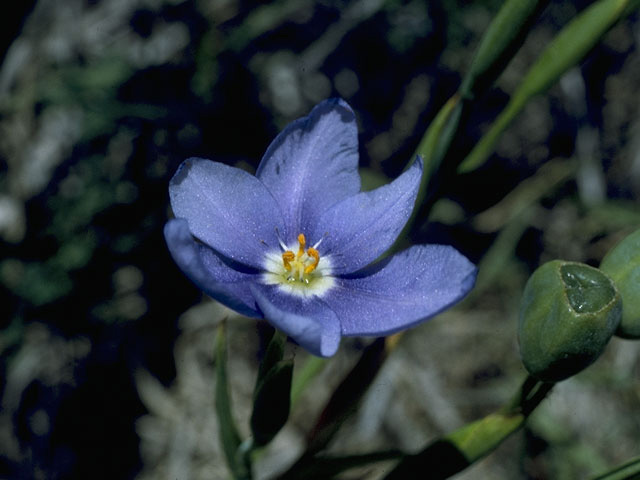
{"points": [[411, 287], [360, 228], [312, 164], [230, 287], [307, 321], [227, 208]]}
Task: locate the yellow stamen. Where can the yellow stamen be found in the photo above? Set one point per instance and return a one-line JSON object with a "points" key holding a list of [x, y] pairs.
{"points": [[287, 257], [312, 252], [302, 263], [303, 242]]}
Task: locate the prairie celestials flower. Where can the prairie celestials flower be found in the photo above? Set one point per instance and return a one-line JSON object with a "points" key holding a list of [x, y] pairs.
{"points": [[295, 243]]}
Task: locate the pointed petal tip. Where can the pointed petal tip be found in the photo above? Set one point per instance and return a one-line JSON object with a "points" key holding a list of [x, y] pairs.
{"points": [[312, 164], [329, 343], [470, 280], [362, 227], [175, 232], [461, 270], [410, 288], [334, 103], [182, 171]]}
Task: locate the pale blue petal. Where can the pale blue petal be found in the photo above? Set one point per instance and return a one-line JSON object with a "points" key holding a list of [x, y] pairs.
{"points": [[313, 164], [411, 287], [308, 321], [360, 228], [204, 268], [227, 208]]}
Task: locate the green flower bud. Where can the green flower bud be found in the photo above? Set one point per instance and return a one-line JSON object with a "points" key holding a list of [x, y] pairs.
{"points": [[568, 313], [622, 264]]}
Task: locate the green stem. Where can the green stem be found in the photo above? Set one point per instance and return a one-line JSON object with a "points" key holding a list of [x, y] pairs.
{"points": [[463, 447], [480, 438]]}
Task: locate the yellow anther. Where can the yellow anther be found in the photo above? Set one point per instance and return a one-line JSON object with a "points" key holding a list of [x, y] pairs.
{"points": [[287, 257], [303, 242], [313, 253], [301, 264]]}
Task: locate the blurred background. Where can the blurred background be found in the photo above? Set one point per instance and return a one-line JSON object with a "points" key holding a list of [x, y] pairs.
{"points": [[106, 349]]}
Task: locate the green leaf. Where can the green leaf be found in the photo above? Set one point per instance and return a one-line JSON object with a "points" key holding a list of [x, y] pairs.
{"points": [[325, 468], [272, 402], [273, 354], [432, 148], [272, 393], [502, 39], [229, 436], [452, 454], [461, 448], [567, 49], [435, 144]]}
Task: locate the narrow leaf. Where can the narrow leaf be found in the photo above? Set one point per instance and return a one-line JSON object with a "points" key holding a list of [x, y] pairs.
{"points": [[273, 354], [500, 42], [463, 447], [272, 403], [567, 49], [432, 148], [325, 468]]}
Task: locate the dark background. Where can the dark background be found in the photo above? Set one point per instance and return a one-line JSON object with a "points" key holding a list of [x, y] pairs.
{"points": [[101, 100]]}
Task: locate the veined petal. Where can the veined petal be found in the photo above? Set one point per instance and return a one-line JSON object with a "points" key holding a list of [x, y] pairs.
{"points": [[413, 286], [312, 164], [204, 268], [308, 321], [227, 208], [360, 228]]}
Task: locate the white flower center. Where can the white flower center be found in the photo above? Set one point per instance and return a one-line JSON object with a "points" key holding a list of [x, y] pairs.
{"points": [[304, 273]]}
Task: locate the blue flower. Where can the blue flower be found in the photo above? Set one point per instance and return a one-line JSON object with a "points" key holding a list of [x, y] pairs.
{"points": [[295, 243]]}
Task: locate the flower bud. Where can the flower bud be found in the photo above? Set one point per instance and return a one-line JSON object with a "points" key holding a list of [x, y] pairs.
{"points": [[622, 264], [569, 311]]}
